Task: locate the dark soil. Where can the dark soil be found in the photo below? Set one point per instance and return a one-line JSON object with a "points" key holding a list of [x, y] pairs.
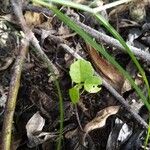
{"points": [[38, 93]]}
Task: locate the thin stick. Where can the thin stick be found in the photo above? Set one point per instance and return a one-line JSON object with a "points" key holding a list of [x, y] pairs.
{"points": [[101, 37], [111, 90], [12, 96], [39, 52], [30, 35], [110, 5]]}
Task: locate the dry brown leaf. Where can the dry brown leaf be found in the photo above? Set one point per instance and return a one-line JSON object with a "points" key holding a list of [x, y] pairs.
{"points": [[100, 120], [34, 131], [35, 124], [126, 86], [106, 70], [33, 19]]}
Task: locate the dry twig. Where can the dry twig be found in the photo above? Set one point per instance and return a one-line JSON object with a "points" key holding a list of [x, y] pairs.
{"points": [[110, 5], [101, 37], [12, 96], [31, 37], [111, 90], [17, 7]]}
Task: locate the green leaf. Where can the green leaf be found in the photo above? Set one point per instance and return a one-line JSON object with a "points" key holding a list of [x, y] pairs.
{"points": [[92, 83], [74, 95], [81, 70], [98, 47]]}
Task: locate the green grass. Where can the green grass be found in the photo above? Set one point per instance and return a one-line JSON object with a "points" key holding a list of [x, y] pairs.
{"points": [[88, 39]]}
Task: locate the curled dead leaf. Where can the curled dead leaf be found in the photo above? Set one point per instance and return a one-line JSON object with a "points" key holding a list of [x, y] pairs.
{"points": [[35, 124], [33, 19], [100, 120], [106, 70]]}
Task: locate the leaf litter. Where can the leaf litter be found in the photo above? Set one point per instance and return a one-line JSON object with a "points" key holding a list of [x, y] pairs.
{"points": [[37, 107]]}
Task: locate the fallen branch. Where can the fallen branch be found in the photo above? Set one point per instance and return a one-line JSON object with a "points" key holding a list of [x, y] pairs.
{"points": [[17, 7], [12, 96], [99, 36], [111, 90]]}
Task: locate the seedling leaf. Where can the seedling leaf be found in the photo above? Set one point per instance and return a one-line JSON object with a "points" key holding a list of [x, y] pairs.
{"points": [[91, 84], [81, 70], [74, 95]]}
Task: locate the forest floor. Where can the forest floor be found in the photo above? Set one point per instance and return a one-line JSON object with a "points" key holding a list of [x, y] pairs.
{"points": [[36, 52]]}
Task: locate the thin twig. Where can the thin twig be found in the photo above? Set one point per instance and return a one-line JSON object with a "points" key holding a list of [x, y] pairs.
{"points": [[78, 118], [36, 9], [30, 35], [12, 96], [111, 90], [105, 84], [39, 52], [110, 5], [101, 37]]}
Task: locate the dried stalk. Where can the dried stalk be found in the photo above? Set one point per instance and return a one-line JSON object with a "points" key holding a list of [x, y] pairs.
{"points": [[110, 5], [12, 96], [99, 36], [17, 7]]}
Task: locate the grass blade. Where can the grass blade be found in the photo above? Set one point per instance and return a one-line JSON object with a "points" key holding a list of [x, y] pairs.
{"points": [[98, 47], [105, 23]]}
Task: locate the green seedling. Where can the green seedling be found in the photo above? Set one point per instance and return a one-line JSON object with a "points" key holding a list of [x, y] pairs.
{"points": [[82, 74], [99, 48]]}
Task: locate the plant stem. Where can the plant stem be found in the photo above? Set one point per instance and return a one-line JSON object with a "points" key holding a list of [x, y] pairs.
{"points": [[110, 5], [98, 47], [72, 4], [109, 28]]}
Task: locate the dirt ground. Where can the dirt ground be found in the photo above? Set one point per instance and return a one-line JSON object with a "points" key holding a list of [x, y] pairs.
{"points": [[104, 120]]}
